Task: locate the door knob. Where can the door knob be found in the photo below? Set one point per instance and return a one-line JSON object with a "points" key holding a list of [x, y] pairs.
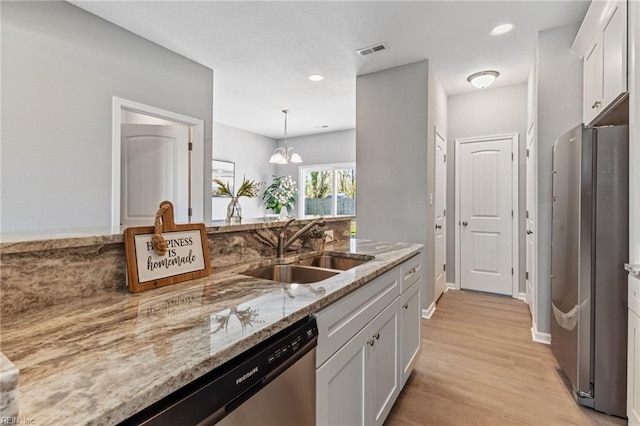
{"points": [[529, 232], [438, 226], [465, 223]]}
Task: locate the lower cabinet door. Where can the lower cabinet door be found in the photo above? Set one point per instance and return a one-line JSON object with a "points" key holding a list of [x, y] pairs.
{"points": [[341, 385], [410, 337], [633, 370], [383, 361]]}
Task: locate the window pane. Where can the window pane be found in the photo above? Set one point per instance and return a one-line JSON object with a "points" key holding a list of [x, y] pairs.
{"points": [[346, 187], [318, 188]]}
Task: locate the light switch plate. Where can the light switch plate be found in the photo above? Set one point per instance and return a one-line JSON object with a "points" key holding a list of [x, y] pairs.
{"points": [[328, 236]]}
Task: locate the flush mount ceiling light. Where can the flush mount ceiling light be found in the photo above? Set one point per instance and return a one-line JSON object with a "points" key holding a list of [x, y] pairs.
{"points": [[483, 79], [316, 77], [502, 29], [285, 154]]}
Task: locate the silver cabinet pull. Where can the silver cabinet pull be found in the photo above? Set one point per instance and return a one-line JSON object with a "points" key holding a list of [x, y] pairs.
{"points": [[529, 232], [377, 336], [438, 226], [596, 104], [406, 306], [465, 223], [371, 342]]}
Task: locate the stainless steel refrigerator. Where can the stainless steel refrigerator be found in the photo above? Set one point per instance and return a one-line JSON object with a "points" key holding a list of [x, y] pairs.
{"points": [[589, 245]]}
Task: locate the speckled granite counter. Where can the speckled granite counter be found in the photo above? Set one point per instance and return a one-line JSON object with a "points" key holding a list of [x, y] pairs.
{"points": [[100, 359]]}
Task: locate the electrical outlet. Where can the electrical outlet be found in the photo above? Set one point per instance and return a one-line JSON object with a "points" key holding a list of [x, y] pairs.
{"points": [[328, 236]]}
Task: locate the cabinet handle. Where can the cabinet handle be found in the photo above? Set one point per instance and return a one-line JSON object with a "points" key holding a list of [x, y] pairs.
{"points": [[406, 306], [529, 232], [596, 104], [371, 342], [408, 274], [377, 336]]}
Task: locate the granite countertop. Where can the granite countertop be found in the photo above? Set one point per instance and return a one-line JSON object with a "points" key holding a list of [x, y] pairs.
{"points": [[18, 242], [101, 359]]}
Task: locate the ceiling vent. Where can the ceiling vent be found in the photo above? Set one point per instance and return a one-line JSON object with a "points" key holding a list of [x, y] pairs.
{"points": [[372, 49]]}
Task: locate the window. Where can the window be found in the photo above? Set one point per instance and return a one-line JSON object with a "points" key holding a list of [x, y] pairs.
{"points": [[328, 189]]}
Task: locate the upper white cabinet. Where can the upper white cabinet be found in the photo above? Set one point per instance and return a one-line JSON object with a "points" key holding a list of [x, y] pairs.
{"points": [[602, 44]]}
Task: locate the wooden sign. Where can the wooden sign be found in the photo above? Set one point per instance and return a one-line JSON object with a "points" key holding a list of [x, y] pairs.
{"points": [[186, 256]]}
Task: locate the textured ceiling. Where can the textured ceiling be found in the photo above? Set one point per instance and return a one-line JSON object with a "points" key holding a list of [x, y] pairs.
{"points": [[262, 52]]}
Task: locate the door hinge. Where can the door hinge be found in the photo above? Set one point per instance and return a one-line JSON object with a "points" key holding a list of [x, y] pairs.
{"points": [[444, 267], [512, 156], [445, 158], [511, 271], [444, 213], [190, 148], [511, 212], [527, 153], [527, 214], [526, 275], [189, 212]]}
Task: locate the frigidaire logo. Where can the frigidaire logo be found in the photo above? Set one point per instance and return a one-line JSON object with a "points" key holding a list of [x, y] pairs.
{"points": [[246, 375]]}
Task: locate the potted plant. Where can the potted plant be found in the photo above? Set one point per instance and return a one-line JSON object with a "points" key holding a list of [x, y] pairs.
{"points": [[281, 195], [249, 189]]}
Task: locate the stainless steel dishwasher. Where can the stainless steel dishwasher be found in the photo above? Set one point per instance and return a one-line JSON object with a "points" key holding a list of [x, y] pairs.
{"points": [[271, 384]]}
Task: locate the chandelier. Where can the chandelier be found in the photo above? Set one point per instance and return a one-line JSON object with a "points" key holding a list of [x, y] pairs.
{"points": [[285, 154]]}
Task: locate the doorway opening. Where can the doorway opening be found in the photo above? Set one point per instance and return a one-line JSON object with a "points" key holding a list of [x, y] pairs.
{"points": [[486, 191], [156, 155]]}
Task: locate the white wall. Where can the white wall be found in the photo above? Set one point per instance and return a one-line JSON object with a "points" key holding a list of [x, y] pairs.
{"points": [[482, 113], [391, 155], [559, 109], [250, 152], [61, 66]]}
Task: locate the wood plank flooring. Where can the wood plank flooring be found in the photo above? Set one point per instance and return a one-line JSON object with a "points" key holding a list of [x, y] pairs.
{"points": [[479, 366]]}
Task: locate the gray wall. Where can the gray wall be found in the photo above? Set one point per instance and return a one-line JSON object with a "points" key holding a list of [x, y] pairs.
{"points": [[250, 152], [391, 155], [483, 113], [61, 66], [559, 102]]}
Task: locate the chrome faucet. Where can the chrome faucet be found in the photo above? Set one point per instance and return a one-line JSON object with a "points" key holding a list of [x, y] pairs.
{"points": [[283, 243]]}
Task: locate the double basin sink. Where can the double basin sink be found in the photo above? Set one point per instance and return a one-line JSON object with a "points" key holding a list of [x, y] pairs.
{"points": [[311, 270]]}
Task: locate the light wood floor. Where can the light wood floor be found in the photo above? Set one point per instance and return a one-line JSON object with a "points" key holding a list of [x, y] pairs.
{"points": [[479, 366]]}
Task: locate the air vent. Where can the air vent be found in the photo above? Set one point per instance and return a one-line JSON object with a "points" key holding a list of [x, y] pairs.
{"points": [[372, 49]]}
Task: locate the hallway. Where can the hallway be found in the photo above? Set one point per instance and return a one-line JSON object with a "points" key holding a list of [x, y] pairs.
{"points": [[479, 366]]}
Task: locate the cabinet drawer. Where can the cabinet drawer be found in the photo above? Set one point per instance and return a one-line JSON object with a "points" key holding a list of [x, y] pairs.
{"points": [[634, 294], [341, 321], [411, 271]]}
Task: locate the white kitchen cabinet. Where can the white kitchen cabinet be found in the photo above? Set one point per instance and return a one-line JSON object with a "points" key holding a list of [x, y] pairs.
{"points": [[410, 336], [359, 384], [633, 354], [368, 344], [605, 58]]}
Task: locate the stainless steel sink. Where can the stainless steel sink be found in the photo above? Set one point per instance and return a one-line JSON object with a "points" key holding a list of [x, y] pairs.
{"points": [[332, 261], [292, 274]]}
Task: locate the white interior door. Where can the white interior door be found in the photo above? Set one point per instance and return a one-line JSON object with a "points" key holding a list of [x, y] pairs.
{"points": [[154, 168], [486, 216], [440, 233], [532, 194]]}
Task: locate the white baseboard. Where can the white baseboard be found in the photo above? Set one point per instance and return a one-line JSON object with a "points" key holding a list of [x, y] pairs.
{"points": [[427, 313], [523, 297], [539, 337], [450, 286]]}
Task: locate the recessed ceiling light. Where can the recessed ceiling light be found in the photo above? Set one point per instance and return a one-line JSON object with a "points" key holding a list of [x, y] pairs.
{"points": [[502, 29], [483, 79], [316, 77]]}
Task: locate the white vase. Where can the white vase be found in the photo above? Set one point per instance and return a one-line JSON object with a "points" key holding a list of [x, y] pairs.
{"points": [[284, 214]]}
